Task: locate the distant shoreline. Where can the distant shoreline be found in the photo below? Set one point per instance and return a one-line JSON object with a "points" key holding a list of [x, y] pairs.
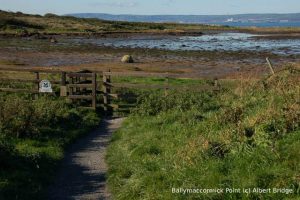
{"points": [[260, 24], [239, 20], [37, 26]]}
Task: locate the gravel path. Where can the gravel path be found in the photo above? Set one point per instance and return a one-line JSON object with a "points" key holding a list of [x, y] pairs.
{"points": [[82, 174]]}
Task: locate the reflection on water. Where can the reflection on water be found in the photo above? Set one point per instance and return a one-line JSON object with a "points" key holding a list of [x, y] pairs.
{"points": [[220, 42]]}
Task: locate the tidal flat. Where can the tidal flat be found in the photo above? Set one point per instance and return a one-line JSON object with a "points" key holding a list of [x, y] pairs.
{"points": [[222, 54]]}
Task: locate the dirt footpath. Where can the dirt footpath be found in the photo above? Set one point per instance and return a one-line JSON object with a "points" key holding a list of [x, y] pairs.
{"points": [[82, 174]]}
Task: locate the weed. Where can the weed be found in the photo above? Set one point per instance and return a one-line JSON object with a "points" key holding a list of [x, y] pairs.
{"points": [[246, 137]]}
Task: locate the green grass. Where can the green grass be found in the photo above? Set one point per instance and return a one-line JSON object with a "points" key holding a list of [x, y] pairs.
{"points": [[159, 81], [245, 137], [33, 136], [129, 97], [23, 24]]}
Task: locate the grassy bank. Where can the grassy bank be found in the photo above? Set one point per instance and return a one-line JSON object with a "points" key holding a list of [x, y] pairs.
{"points": [[27, 25], [244, 137], [33, 136], [24, 24]]}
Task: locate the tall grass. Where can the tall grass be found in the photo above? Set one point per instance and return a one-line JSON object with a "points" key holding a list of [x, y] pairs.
{"points": [[33, 135], [247, 137]]}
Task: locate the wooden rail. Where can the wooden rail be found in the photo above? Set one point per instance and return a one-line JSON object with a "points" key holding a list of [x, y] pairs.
{"points": [[84, 87], [81, 85], [80, 75], [143, 74], [88, 97], [27, 80], [19, 69], [15, 90], [38, 69], [157, 86], [78, 86]]}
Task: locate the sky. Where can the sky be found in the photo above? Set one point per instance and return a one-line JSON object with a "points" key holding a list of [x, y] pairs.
{"points": [[152, 7]]}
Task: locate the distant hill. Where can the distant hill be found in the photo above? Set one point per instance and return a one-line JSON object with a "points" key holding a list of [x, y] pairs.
{"points": [[294, 17], [19, 23]]}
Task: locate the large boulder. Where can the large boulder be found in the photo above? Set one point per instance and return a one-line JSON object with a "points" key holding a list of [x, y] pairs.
{"points": [[127, 59]]}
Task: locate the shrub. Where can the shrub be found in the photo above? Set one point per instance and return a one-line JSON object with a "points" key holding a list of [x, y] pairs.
{"points": [[16, 117], [231, 115], [291, 115], [158, 26], [90, 119], [33, 135], [16, 23], [284, 121], [23, 118], [50, 15], [218, 150], [249, 131], [49, 111], [6, 149]]}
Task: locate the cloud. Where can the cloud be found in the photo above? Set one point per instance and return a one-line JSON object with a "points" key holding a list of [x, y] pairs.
{"points": [[114, 4]]}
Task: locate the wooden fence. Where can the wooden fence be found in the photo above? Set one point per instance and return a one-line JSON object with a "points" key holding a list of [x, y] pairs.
{"points": [[93, 86]]}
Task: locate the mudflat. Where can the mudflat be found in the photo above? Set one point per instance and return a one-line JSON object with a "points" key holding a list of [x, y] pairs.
{"points": [[209, 58]]}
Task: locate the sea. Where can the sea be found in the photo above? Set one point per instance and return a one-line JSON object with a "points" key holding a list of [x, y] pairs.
{"points": [[260, 24], [211, 42]]}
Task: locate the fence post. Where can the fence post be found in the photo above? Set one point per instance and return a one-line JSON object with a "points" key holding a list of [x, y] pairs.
{"points": [[71, 89], [167, 84], [63, 87], [94, 91], [217, 84], [37, 76], [106, 91], [270, 66], [77, 80]]}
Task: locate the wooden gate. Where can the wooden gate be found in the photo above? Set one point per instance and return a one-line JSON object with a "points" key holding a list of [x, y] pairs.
{"points": [[81, 86]]}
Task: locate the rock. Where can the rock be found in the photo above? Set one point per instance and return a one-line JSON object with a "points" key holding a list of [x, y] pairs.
{"points": [[53, 40], [127, 59]]}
